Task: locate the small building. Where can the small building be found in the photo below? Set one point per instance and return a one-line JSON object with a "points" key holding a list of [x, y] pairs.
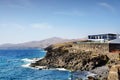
{"points": [[103, 37]]}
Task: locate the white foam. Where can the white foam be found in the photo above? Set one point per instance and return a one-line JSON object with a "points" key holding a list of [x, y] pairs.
{"points": [[27, 60], [41, 67], [31, 60], [26, 65], [62, 69]]}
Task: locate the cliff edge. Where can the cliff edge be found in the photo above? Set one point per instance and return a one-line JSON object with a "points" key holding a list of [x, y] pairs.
{"points": [[69, 57]]}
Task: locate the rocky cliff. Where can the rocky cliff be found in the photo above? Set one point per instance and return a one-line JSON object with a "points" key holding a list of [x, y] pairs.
{"points": [[70, 56], [114, 73], [67, 56]]}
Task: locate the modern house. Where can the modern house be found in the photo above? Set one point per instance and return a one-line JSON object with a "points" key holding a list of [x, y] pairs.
{"points": [[104, 37]]}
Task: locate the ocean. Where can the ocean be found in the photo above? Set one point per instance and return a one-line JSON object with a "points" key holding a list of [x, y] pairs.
{"points": [[12, 61], [14, 66]]}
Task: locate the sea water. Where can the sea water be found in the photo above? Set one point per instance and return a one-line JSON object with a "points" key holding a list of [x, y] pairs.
{"points": [[12, 61], [14, 65]]}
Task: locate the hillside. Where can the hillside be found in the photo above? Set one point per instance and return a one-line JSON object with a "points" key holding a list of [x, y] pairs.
{"points": [[35, 44]]}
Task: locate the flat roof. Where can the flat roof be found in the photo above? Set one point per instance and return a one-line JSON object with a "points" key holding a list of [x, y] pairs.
{"points": [[103, 34]]}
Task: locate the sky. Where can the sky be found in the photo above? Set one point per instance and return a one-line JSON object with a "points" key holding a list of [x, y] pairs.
{"points": [[34, 20]]}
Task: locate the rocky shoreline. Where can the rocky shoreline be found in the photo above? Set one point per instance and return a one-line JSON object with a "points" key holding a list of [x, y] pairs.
{"points": [[59, 56]]}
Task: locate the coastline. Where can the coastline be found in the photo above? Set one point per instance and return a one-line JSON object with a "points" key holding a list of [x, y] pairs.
{"points": [[95, 73], [30, 61], [74, 74], [70, 57]]}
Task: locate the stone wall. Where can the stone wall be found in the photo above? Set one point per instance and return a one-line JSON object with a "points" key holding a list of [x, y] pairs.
{"points": [[112, 50], [102, 48]]}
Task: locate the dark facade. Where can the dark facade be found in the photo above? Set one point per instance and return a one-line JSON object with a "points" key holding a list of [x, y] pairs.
{"points": [[103, 36], [114, 47]]}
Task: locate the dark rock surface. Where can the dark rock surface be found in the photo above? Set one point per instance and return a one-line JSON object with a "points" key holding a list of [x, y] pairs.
{"points": [[59, 56], [70, 56]]}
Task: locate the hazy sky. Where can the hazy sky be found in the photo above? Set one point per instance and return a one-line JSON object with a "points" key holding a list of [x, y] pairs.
{"points": [[28, 20]]}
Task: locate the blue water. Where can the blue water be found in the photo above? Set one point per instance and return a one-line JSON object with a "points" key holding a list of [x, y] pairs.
{"points": [[11, 66]]}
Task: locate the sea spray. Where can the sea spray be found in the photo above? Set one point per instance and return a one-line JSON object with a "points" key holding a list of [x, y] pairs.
{"points": [[28, 61]]}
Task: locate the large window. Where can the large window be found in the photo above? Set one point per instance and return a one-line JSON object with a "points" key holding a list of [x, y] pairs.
{"points": [[103, 36]]}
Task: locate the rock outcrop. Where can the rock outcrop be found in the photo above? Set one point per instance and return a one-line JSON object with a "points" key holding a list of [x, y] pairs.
{"points": [[75, 56], [114, 73], [60, 56]]}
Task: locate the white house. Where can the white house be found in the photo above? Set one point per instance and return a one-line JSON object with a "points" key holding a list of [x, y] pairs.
{"points": [[115, 38]]}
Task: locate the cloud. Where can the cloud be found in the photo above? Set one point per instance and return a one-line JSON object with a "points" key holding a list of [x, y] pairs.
{"points": [[108, 6], [41, 26], [70, 13]]}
